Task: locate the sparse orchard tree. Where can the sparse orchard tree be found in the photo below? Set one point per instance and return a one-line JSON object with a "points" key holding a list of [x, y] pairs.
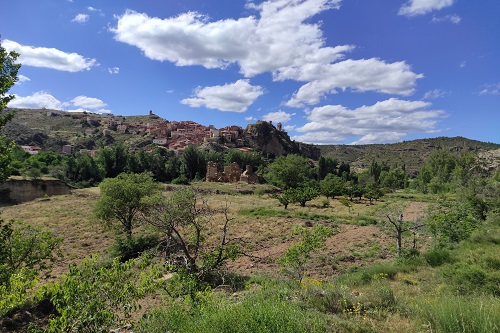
{"points": [[120, 198], [285, 198], [305, 193], [295, 259]]}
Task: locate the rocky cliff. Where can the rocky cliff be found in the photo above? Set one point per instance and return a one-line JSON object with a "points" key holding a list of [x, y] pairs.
{"points": [[268, 139]]}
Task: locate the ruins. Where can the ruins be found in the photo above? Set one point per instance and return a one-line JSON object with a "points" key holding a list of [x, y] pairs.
{"points": [[231, 174]]}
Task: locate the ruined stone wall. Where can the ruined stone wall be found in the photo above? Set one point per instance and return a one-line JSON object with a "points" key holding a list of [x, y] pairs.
{"points": [[17, 191]]}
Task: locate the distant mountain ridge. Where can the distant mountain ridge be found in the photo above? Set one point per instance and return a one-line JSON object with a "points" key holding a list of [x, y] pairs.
{"points": [[51, 129], [410, 153]]}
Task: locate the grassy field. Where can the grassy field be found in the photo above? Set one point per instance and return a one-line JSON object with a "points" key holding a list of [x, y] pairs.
{"points": [[353, 284]]}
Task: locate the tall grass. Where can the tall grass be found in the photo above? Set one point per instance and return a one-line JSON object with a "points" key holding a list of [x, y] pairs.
{"points": [[454, 314], [253, 314]]}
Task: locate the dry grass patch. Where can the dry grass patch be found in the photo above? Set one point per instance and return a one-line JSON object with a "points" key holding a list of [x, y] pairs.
{"points": [[69, 217]]}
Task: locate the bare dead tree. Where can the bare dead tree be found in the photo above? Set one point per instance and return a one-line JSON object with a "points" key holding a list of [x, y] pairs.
{"points": [[185, 218], [400, 226]]}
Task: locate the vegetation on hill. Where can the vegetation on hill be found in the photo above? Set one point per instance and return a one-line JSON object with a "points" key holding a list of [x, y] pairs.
{"points": [[411, 154]]}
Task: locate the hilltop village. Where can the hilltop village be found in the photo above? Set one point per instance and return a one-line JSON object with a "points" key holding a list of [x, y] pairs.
{"points": [[174, 136]]}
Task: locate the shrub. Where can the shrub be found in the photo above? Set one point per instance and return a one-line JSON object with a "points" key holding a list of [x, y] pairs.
{"points": [[17, 291], [126, 248], [181, 180], [92, 298], [260, 191], [294, 261], [437, 257], [367, 274]]}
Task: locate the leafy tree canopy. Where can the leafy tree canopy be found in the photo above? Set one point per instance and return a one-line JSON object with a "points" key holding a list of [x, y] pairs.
{"points": [[8, 77], [120, 198], [289, 171]]}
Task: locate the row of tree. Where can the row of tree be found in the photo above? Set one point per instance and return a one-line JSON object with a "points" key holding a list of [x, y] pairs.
{"points": [[83, 170]]}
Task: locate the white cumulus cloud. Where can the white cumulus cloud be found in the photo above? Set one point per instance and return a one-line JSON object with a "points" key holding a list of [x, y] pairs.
{"points": [[279, 39], [114, 70], [81, 18], [384, 122], [49, 57], [88, 102], [235, 97], [22, 78], [421, 7], [43, 99], [278, 117], [38, 100], [282, 40], [359, 75]]}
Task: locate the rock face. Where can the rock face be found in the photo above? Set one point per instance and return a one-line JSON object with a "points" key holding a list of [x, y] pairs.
{"points": [[267, 138], [17, 191], [490, 160]]}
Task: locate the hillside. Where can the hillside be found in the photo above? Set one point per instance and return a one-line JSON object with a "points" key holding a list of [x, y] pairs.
{"points": [[51, 129], [410, 153]]}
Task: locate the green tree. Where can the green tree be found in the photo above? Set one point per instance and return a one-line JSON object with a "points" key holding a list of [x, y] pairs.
{"points": [[304, 193], [452, 222], [371, 191], [289, 171], [113, 160], [120, 198], [437, 172], [8, 77], [242, 158], [395, 178], [332, 186], [193, 164], [326, 165], [82, 170], [285, 198], [375, 170]]}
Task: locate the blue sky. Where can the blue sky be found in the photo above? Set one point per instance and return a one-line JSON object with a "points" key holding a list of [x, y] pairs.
{"points": [[332, 71]]}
